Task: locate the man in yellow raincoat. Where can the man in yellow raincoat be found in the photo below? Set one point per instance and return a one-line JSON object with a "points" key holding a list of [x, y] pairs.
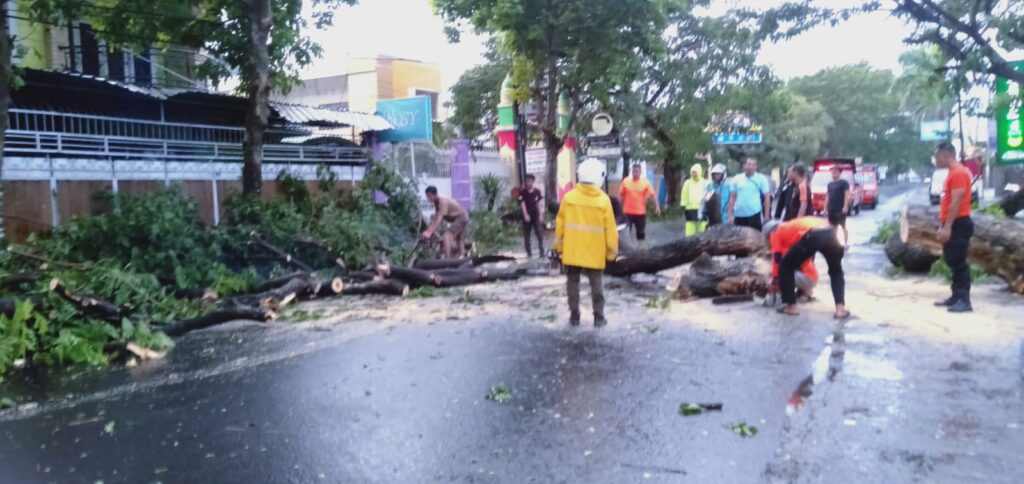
{"points": [[692, 200], [586, 238]]}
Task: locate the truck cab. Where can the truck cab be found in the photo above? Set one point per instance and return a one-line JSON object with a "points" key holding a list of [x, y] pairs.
{"points": [[867, 176], [822, 176]]}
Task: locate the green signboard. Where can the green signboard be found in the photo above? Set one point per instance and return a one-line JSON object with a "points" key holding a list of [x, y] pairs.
{"points": [[1010, 120]]}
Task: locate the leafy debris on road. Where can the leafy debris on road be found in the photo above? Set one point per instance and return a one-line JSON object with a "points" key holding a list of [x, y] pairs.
{"points": [[687, 409], [657, 302], [109, 428], [744, 430], [499, 394]]}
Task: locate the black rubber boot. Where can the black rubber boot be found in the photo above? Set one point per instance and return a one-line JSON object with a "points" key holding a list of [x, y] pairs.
{"points": [[960, 306], [945, 303], [574, 319]]}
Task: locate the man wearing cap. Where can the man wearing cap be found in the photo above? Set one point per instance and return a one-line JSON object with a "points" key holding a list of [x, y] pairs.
{"points": [[586, 238], [717, 199]]}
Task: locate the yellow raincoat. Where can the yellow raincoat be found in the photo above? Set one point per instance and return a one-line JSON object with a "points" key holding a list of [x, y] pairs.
{"points": [[694, 189], [585, 232], [692, 197]]}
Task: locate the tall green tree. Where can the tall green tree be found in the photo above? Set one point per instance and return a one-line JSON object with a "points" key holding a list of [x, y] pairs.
{"points": [[584, 48], [476, 95], [869, 118], [263, 42], [799, 134]]}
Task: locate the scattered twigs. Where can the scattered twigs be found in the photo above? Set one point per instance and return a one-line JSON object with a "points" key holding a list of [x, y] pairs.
{"points": [[90, 306], [280, 254], [36, 257]]}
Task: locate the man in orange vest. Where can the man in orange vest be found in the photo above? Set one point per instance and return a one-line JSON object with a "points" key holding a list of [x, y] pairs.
{"points": [[634, 193], [793, 244]]}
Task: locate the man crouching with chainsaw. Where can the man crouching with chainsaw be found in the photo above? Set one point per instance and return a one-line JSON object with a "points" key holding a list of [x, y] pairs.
{"points": [[793, 244]]}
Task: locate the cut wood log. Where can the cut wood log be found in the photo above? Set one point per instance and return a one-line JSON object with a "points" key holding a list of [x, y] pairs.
{"points": [[434, 264], [221, 316], [911, 258], [280, 254], [720, 240], [413, 277], [384, 286], [709, 278], [271, 284], [274, 299], [331, 288], [90, 306], [363, 276], [996, 245]]}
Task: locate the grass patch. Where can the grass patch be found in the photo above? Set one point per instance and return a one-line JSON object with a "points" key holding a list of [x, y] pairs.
{"points": [[887, 229], [499, 394], [941, 269], [426, 292], [657, 302]]}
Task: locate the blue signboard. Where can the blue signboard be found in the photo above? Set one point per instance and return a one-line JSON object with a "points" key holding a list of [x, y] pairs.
{"points": [[411, 118], [934, 130], [737, 138]]}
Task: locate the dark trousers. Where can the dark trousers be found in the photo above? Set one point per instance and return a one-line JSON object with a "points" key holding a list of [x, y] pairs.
{"points": [[815, 241], [955, 254], [596, 290], [638, 223], [529, 228], [753, 222]]}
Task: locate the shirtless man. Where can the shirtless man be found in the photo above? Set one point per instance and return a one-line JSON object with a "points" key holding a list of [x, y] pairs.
{"points": [[450, 211]]}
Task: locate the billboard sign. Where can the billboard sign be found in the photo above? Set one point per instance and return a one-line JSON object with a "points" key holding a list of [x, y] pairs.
{"points": [[737, 138], [607, 146], [410, 116], [934, 130], [1010, 119]]}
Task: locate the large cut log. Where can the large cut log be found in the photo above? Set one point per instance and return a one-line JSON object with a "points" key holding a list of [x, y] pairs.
{"points": [[302, 286], [1012, 203], [413, 277], [911, 258], [709, 278], [997, 245], [383, 286], [720, 240], [179, 328]]}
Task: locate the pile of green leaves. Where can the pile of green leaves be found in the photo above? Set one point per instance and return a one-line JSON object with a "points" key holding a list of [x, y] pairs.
{"points": [[941, 269], [489, 232], [887, 229], [153, 257]]}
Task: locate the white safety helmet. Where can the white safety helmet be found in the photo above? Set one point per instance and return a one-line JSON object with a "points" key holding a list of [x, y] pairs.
{"points": [[591, 171], [718, 168], [769, 227]]}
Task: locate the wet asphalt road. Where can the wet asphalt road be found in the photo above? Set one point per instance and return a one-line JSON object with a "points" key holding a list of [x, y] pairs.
{"points": [[390, 400]]}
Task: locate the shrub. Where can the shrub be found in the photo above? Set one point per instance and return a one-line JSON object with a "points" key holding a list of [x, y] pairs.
{"points": [[489, 192], [489, 232], [941, 269], [887, 229]]}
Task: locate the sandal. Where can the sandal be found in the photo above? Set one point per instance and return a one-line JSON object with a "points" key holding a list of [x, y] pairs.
{"points": [[783, 310]]}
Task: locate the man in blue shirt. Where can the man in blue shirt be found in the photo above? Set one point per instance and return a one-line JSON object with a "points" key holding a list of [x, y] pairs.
{"points": [[749, 200]]}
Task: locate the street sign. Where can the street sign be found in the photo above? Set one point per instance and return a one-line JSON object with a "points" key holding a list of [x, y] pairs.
{"points": [[602, 124], [536, 160], [604, 146], [410, 116], [737, 138], [1010, 120], [935, 130]]}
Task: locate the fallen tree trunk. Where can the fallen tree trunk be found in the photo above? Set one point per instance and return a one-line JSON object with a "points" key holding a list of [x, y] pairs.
{"points": [[709, 278], [15, 280], [274, 299], [720, 240], [331, 288], [911, 258], [413, 277], [996, 245], [179, 328], [383, 286]]}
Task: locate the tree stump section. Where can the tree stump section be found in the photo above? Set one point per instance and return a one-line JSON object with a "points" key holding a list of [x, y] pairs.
{"points": [[710, 278], [996, 246], [719, 240], [911, 258]]}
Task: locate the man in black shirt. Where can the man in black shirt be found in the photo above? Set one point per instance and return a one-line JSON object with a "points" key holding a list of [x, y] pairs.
{"points": [[530, 202], [838, 203]]}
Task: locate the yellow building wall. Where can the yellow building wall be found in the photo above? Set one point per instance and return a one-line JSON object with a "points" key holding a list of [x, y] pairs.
{"points": [[407, 75], [362, 85]]}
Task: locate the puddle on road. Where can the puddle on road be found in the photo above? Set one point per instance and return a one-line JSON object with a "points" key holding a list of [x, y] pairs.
{"points": [[834, 357]]}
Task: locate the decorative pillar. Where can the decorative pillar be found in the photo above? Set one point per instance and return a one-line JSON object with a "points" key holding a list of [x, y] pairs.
{"points": [[567, 157], [506, 130]]}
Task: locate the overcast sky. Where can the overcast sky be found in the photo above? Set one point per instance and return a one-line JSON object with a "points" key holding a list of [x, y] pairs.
{"points": [[409, 29]]}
